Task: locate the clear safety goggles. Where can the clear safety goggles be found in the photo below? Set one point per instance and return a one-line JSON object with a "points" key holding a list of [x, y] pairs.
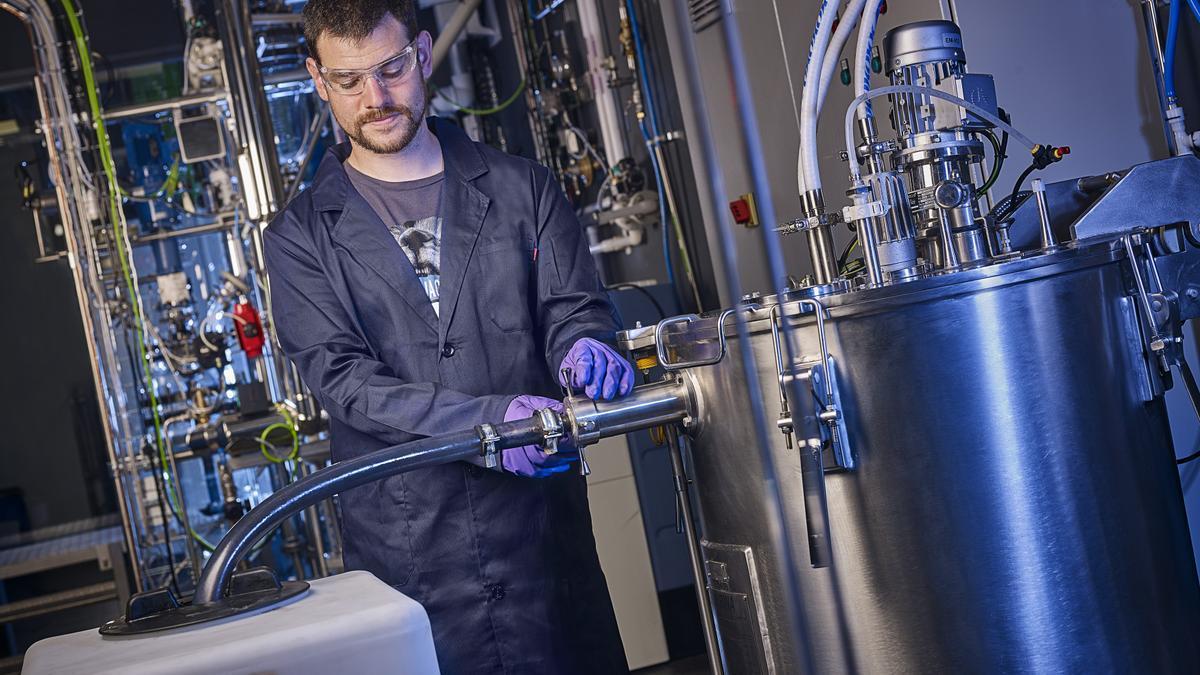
{"points": [[395, 70]]}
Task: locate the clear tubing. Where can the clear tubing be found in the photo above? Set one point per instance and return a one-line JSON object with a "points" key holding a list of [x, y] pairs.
{"points": [[856, 171]]}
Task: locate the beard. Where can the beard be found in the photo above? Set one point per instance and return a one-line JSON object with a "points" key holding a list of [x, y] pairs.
{"points": [[390, 141]]}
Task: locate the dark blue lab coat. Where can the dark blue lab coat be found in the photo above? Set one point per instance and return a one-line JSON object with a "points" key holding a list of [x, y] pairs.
{"points": [[505, 566]]}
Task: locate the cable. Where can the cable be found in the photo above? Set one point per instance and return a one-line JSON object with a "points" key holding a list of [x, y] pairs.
{"points": [[484, 111], [997, 159], [662, 314], [845, 255], [1169, 57], [122, 246], [653, 140], [1012, 198], [262, 438]]}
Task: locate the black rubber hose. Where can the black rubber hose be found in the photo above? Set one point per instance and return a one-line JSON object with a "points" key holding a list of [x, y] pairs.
{"points": [[342, 476]]}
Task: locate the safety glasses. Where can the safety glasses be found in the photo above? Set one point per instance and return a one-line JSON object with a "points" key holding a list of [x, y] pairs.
{"points": [[349, 82]]}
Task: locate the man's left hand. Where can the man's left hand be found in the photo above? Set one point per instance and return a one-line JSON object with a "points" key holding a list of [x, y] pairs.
{"points": [[597, 369]]}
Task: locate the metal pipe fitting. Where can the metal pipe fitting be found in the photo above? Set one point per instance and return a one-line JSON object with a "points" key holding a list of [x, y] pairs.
{"points": [[647, 406]]}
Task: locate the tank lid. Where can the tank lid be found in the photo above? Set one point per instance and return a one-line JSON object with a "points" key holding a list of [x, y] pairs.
{"points": [[923, 42]]}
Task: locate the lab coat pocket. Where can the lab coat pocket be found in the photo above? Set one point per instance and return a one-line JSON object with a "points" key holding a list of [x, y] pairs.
{"points": [[504, 292], [395, 527]]}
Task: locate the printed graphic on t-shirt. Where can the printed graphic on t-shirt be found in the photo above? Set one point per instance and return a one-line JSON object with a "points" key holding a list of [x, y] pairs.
{"points": [[421, 241]]}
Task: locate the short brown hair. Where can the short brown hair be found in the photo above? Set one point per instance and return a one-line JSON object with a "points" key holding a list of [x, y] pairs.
{"points": [[353, 19]]}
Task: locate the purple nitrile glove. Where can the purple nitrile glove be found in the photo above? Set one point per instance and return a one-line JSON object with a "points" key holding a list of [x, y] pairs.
{"points": [[598, 369], [530, 460]]}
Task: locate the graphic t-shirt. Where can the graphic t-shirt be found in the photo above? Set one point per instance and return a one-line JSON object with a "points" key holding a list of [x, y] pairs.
{"points": [[409, 209]]}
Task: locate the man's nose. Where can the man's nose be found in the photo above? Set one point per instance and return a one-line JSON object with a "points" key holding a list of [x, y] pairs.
{"points": [[374, 95]]}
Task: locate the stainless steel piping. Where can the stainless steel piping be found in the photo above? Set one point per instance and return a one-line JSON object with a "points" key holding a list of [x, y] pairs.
{"points": [[682, 493], [646, 406]]}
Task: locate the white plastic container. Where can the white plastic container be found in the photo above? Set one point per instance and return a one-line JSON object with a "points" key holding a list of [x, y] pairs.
{"points": [[349, 623]]}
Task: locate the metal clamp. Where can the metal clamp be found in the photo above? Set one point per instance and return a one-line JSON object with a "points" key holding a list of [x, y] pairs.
{"points": [[859, 212], [689, 318], [552, 430], [488, 438]]}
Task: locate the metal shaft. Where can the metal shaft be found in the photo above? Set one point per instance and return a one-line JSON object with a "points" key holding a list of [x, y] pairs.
{"points": [[711, 644], [1039, 194]]}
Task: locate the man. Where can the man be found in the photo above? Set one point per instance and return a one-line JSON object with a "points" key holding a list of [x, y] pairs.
{"points": [[425, 284]]}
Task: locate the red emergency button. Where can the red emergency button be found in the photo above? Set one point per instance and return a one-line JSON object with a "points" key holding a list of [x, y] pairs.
{"points": [[744, 211]]}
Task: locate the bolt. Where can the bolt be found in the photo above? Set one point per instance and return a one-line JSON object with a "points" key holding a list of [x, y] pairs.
{"points": [[1193, 293], [1156, 305]]}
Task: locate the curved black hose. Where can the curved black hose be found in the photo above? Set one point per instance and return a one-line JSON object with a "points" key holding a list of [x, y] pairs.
{"points": [[662, 314], [998, 154], [342, 476]]}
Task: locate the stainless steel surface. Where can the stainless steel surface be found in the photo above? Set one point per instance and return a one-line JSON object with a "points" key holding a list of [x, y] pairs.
{"points": [[923, 42], [711, 166], [1124, 207], [651, 405], [1014, 503]]}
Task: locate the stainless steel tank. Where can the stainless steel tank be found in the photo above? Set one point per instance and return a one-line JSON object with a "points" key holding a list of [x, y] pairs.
{"points": [[1010, 502]]}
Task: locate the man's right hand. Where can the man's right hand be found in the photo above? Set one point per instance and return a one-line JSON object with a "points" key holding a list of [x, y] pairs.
{"points": [[531, 460]]}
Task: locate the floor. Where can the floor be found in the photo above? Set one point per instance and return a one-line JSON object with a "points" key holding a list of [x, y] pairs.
{"points": [[696, 665]]}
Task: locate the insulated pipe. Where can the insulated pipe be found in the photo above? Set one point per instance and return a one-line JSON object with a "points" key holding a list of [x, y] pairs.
{"points": [[324, 483], [808, 100], [862, 56], [452, 29], [837, 44]]}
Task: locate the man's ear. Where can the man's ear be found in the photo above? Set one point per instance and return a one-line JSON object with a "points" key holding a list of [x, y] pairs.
{"points": [[425, 53], [311, 64]]}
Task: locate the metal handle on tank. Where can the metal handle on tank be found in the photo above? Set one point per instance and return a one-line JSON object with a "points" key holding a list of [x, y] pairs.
{"points": [[812, 469], [689, 318]]}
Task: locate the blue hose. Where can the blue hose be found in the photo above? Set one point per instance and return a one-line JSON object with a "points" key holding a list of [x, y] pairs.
{"points": [[1169, 59], [1195, 5], [651, 137]]}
